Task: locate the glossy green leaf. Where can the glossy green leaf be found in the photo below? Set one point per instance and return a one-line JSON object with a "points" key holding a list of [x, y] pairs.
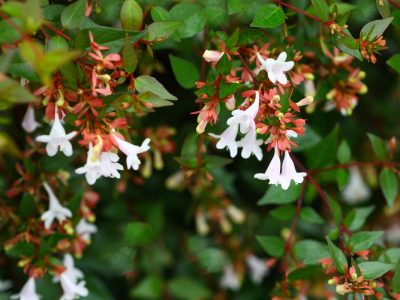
{"points": [[131, 15], [268, 16], [389, 185], [147, 83], [185, 71], [338, 258], [322, 9], [73, 15], [138, 234], [273, 245], [374, 269]]}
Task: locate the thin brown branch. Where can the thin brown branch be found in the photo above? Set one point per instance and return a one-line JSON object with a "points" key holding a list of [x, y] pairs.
{"points": [[355, 164], [58, 32], [395, 3]]}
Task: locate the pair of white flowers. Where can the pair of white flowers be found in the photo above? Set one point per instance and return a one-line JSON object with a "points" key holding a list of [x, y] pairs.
{"points": [[97, 164], [257, 267], [71, 280]]}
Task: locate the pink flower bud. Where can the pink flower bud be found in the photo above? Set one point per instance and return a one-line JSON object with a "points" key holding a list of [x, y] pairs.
{"points": [[212, 55]]}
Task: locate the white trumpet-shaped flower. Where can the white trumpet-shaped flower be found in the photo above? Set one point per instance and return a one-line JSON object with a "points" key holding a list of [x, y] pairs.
{"points": [[85, 229], [109, 165], [71, 271], [289, 172], [58, 139], [29, 123], [131, 151], [273, 171], [258, 268], [28, 291], [251, 145], [5, 285], [55, 211], [228, 139], [356, 190], [276, 68], [230, 279], [92, 169], [245, 118], [72, 288]]}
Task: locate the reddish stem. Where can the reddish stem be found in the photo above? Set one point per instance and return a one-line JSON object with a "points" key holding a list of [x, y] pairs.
{"points": [[279, 2], [395, 4], [246, 66], [354, 164], [58, 32]]}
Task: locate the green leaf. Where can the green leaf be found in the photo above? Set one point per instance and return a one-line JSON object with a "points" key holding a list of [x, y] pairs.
{"points": [[185, 71], [193, 18], [160, 31], [8, 34], [188, 289], [304, 273], [138, 234], [310, 252], [268, 16], [159, 13], [306, 141], [357, 219], [148, 288], [389, 185], [336, 210], [212, 259], [308, 214], [338, 257], [224, 65], [394, 62], [374, 29], [322, 9], [379, 146], [27, 206], [283, 213], [374, 269], [363, 240], [347, 44], [11, 91], [21, 249], [344, 152], [276, 195], [129, 58], [237, 6], [227, 89], [396, 279], [324, 153], [273, 245], [73, 15], [131, 15], [147, 83], [383, 8]]}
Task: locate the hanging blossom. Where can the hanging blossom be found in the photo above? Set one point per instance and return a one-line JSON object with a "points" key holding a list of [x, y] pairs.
{"points": [[57, 140], [106, 164], [242, 120], [230, 279], [258, 268], [85, 229], [131, 151], [276, 68], [28, 291], [356, 190], [55, 211], [29, 123]]}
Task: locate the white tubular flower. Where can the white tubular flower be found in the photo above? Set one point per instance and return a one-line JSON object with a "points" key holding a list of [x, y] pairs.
{"points": [[131, 151], [245, 118], [57, 140], [251, 145], [5, 285], [73, 273], [109, 165], [29, 123], [230, 103], [258, 268], [228, 139], [289, 173], [273, 171], [72, 289], [276, 68], [55, 211], [28, 291], [235, 214], [356, 190], [230, 279], [92, 169], [85, 229], [201, 224], [212, 55]]}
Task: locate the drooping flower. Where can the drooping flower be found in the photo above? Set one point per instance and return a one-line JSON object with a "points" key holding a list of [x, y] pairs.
{"points": [[258, 268], [289, 173], [212, 55], [276, 68], [85, 229], [71, 288], [356, 190], [109, 165], [28, 291], [55, 211], [57, 140], [235, 214], [131, 151], [92, 169], [228, 139], [29, 123], [273, 171], [5, 285], [71, 271], [251, 145], [245, 118], [230, 279]]}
